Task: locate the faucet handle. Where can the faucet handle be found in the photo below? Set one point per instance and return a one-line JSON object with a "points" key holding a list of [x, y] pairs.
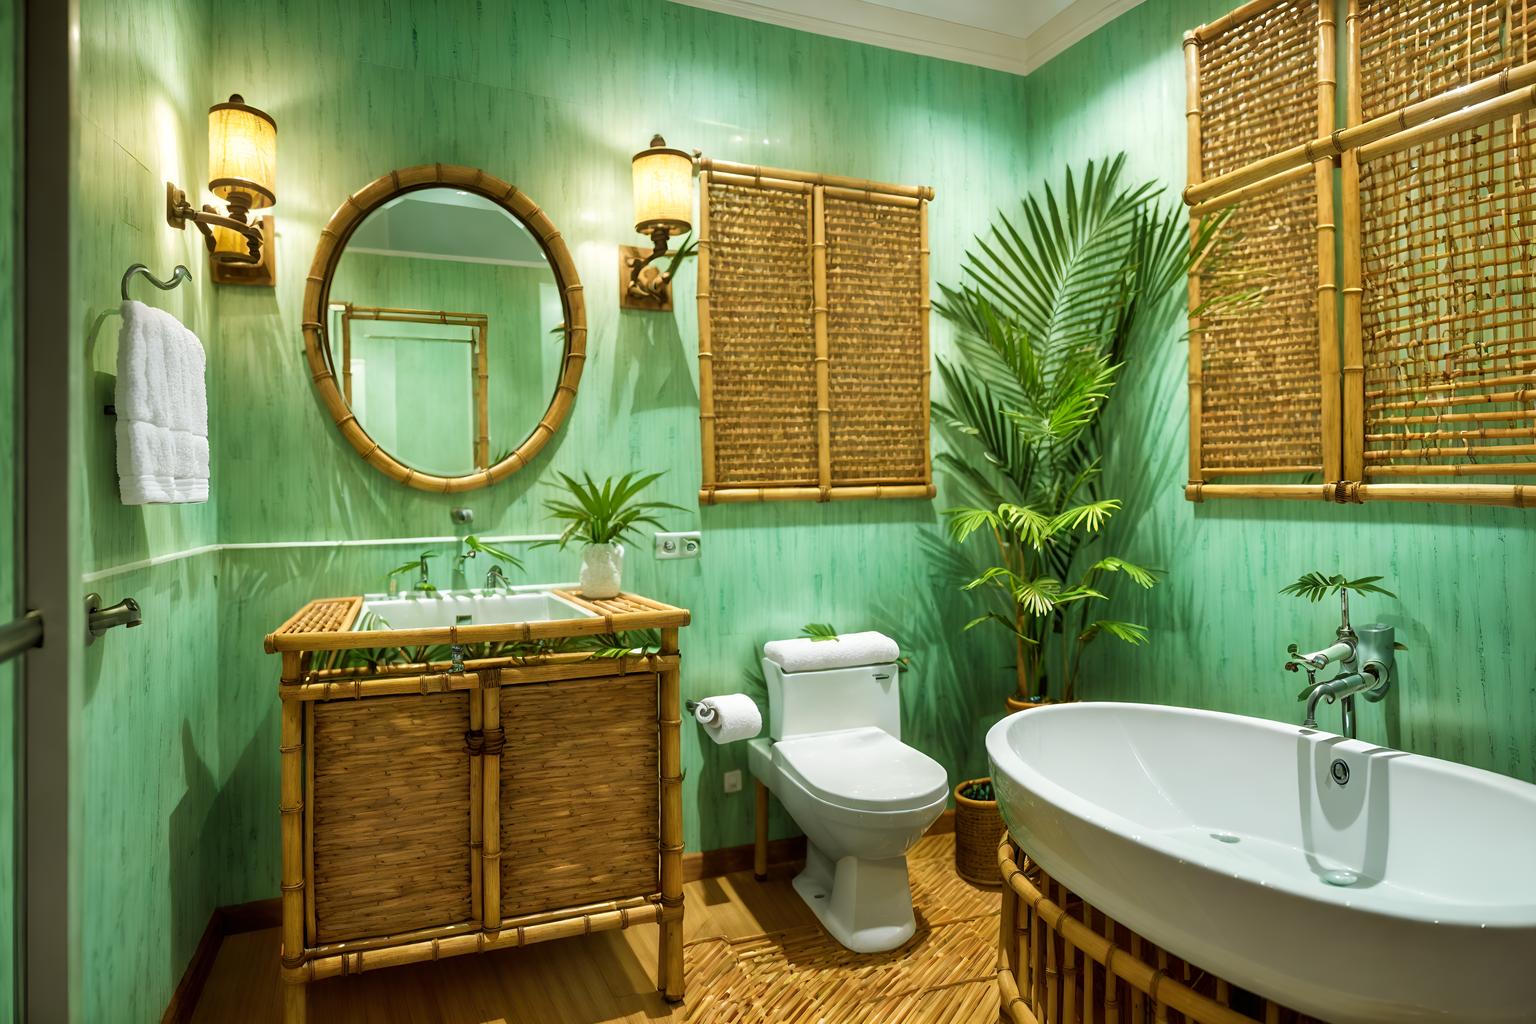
{"points": [[1296, 661]]}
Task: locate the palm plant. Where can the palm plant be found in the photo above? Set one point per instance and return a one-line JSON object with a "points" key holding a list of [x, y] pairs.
{"points": [[604, 513], [1049, 308]]}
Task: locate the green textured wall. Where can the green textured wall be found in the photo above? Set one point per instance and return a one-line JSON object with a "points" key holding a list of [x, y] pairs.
{"points": [[544, 95], [177, 777], [143, 791], [9, 470], [175, 789], [1219, 629]]}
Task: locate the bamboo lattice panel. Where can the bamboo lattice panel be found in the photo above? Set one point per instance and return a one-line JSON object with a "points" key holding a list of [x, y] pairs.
{"points": [[764, 350], [1259, 370], [813, 347], [1259, 363], [1448, 229], [586, 766], [391, 815], [1411, 50], [1258, 87], [875, 305]]}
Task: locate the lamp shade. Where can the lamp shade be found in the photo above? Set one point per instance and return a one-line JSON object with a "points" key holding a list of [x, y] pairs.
{"points": [[663, 189], [242, 154]]}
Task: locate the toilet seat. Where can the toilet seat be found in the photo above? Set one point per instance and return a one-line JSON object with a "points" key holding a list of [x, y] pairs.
{"points": [[863, 769]]}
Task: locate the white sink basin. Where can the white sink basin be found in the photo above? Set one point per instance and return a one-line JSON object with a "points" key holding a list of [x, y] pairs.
{"points": [[1216, 835], [466, 607]]}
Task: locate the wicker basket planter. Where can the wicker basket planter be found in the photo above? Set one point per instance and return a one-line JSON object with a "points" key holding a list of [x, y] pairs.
{"points": [[978, 829], [978, 823]]}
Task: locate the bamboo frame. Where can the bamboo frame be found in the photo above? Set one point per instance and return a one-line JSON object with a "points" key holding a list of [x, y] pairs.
{"points": [[1196, 334], [1359, 132], [1341, 343], [1327, 258], [490, 811], [925, 315], [669, 968], [706, 350], [291, 808], [819, 329], [323, 625], [1352, 376], [605, 619], [817, 189], [333, 239], [479, 323], [1042, 944]]}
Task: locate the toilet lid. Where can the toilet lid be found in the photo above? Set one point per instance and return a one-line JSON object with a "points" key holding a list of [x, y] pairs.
{"points": [[866, 769]]}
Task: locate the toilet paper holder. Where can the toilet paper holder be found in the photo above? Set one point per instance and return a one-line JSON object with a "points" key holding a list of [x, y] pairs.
{"points": [[699, 710]]}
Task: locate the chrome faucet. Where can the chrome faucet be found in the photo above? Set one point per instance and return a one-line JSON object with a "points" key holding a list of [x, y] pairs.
{"points": [[1365, 661], [466, 552], [495, 579]]}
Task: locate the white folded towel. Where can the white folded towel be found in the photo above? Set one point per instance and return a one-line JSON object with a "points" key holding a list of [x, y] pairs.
{"points": [[162, 410], [806, 655]]}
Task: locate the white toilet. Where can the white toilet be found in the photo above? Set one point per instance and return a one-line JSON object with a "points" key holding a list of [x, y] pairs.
{"points": [[863, 798]]}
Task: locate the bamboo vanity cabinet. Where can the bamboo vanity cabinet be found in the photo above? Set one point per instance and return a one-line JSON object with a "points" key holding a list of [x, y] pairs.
{"points": [[429, 811]]}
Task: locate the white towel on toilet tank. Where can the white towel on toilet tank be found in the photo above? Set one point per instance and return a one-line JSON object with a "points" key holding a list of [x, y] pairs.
{"points": [[729, 717], [849, 649], [162, 410]]}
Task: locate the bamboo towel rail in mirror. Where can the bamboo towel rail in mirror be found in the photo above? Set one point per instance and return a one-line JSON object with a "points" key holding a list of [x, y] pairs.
{"points": [[813, 336]]}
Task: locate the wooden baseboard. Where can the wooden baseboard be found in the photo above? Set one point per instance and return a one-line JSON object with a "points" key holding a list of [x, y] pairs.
{"points": [[259, 914], [224, 921], [729, 859]]}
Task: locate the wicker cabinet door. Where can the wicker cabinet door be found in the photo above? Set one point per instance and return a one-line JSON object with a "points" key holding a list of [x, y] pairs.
{"points": [[579, 793], [391, 810]]}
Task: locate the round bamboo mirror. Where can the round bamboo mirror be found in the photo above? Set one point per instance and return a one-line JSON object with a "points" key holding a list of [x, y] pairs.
{"points": [[444, 326]]}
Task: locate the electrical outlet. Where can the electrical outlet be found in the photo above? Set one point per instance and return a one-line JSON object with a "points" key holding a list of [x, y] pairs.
{"points": [[678, 545], [733, 781]]}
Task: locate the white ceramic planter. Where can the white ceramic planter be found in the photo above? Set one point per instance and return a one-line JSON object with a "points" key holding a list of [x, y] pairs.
{"points": [[602, 570]]}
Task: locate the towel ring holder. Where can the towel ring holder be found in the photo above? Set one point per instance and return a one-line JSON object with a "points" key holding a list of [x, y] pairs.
{"points": [[178, 275]]}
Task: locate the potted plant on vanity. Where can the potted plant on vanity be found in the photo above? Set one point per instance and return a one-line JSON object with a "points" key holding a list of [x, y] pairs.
{"points": [[601, 516], [1048, 309]]}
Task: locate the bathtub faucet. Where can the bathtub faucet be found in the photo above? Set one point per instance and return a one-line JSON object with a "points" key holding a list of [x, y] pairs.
{"points": [[1365, 660]]}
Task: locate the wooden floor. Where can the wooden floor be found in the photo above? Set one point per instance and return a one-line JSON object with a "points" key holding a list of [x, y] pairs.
{"points": [[754, 955]]}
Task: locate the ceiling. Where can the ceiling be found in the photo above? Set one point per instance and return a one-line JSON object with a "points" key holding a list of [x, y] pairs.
{"points": [[1007, 35]]}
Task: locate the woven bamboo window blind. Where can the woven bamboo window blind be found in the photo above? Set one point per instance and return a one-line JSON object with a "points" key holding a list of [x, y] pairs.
{"points": [[1422, 361], [813, 336]]}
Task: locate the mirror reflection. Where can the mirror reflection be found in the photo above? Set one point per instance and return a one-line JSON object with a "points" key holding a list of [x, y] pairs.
{"points": [[443, 330]]}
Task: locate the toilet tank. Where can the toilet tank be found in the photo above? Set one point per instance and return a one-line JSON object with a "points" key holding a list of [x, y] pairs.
{"points": [[832, 699]]}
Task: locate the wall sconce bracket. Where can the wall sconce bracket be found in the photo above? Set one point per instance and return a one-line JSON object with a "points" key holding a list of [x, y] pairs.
{"points": [[256, 267], [642, 285], [262, 273]]}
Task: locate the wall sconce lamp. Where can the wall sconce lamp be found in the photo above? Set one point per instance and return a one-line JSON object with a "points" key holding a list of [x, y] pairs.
{"points": [[663, 181], [242, 171]]}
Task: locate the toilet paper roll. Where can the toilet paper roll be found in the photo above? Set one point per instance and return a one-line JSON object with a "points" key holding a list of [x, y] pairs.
{"points": [[729, 717]]}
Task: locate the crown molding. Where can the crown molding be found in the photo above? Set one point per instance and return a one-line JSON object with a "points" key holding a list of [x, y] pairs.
{"points": [[877, 25], [1072, 25]]}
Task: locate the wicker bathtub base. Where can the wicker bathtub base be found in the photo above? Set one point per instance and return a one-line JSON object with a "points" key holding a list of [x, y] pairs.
{"points": [[1063, 961]]}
